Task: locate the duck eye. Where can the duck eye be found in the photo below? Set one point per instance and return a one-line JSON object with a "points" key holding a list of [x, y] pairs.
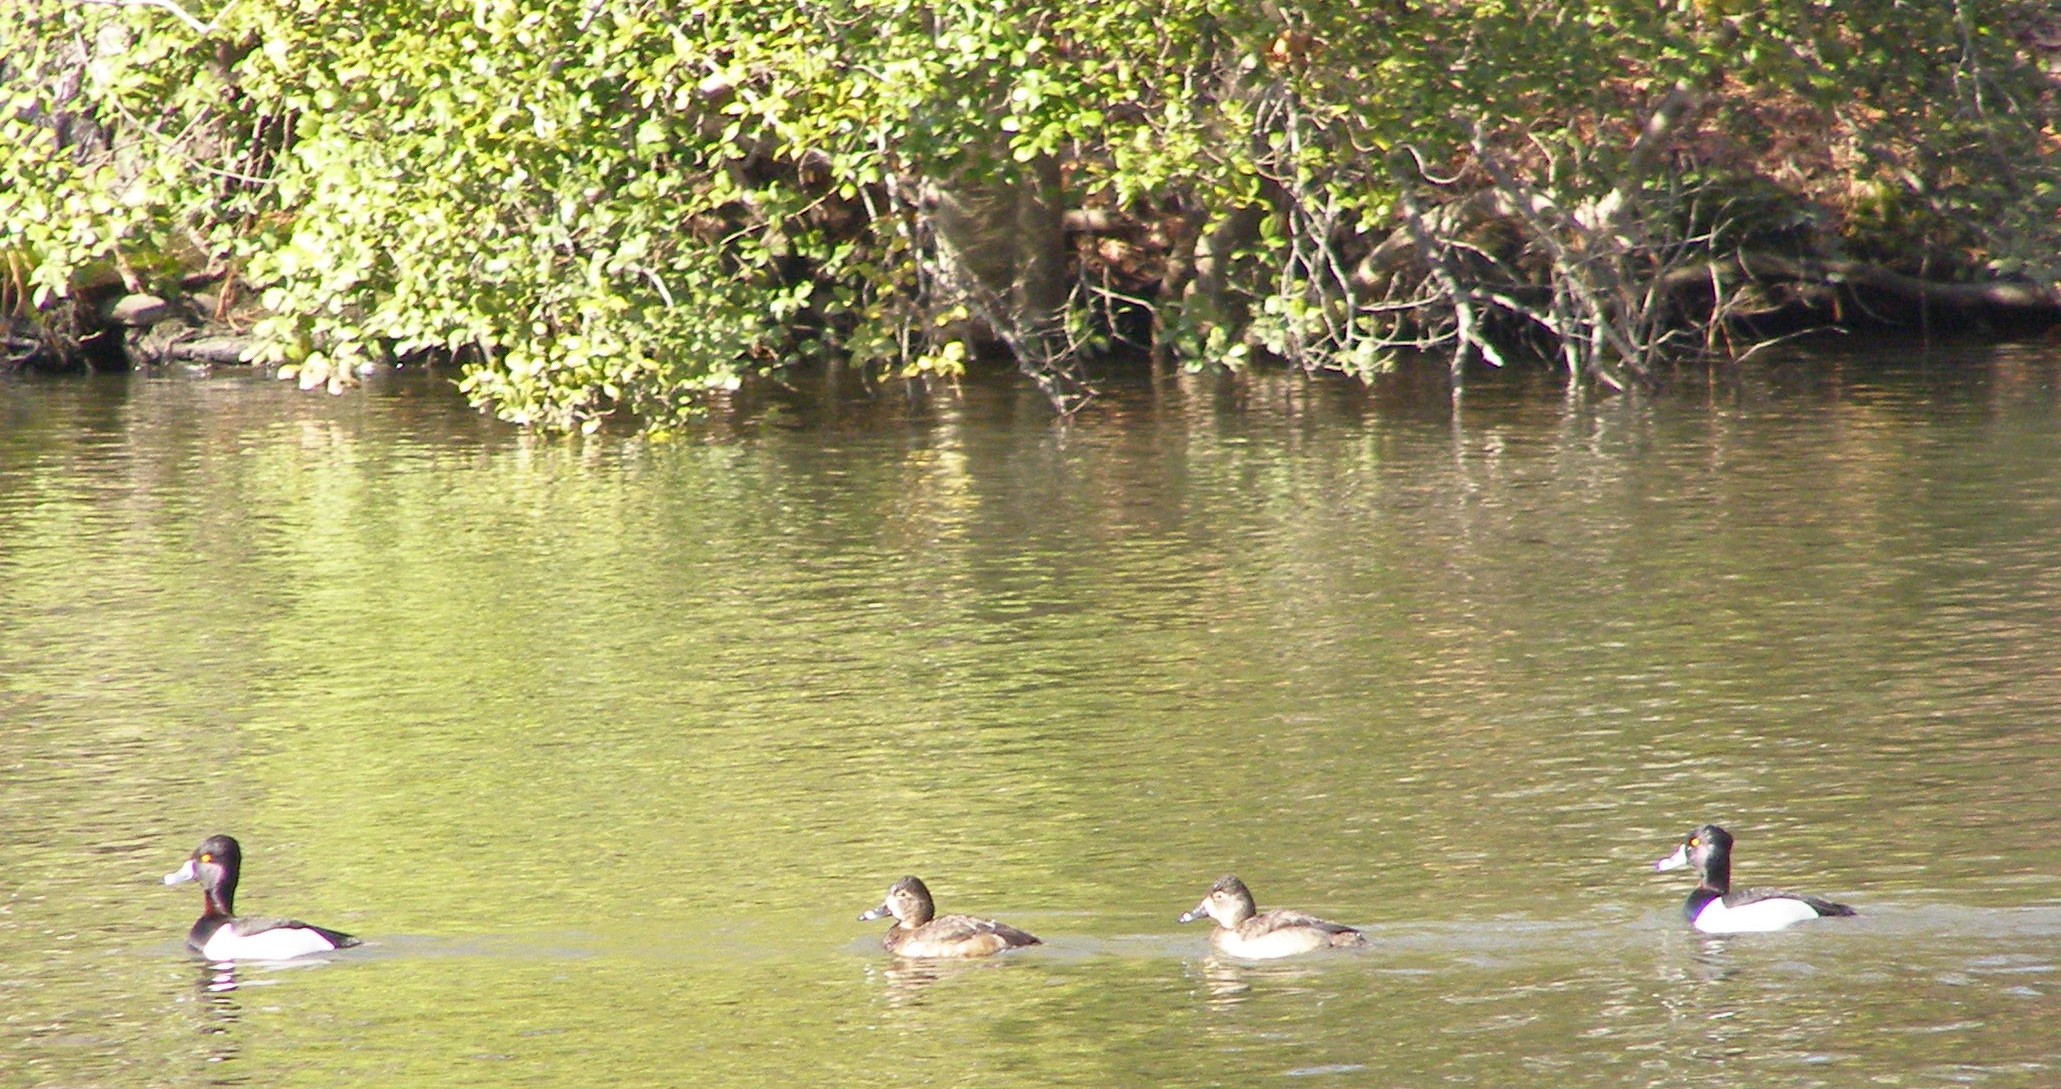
{"points": [[205, 857], [1694, 842]]}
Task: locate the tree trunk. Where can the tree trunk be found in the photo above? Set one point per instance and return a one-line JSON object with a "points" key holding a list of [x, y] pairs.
{"points": [[1003, 245]]}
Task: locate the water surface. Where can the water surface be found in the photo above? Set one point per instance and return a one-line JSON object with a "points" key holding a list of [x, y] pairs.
{"points": [[602, 745]]}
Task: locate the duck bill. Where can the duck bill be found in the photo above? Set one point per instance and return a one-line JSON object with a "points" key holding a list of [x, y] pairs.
{"points": [[871, 914], [183, 874], [1200, 911], [1674, 861]]}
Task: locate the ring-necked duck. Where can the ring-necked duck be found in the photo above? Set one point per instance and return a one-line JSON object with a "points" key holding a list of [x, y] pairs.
{"points": [[920, 932], [220, 935], [1245, 932], [1715, 908]]}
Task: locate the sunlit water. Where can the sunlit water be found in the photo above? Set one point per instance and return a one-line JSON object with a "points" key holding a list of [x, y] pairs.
{"points": [[602, 745]]}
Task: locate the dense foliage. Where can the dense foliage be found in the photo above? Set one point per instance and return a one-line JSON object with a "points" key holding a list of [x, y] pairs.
{"points": [[606, 206]]}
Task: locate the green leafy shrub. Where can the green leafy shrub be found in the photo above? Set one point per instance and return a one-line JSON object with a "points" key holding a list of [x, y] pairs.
{"points": [[610, 207]]}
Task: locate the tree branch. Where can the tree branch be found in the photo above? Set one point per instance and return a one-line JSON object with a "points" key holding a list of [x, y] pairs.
{"points": [[184, 16], [1776, 268]]}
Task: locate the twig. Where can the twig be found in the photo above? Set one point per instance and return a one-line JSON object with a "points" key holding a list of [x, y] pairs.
{"points": [[184, 16]]}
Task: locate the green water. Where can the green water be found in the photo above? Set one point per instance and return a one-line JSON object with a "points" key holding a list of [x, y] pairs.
{"points": [[603, 745]]}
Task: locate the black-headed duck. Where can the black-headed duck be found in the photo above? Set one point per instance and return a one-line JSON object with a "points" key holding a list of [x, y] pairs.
{"points": [[920, 932], [1716, 908], [1245, 932], [219, 935]]}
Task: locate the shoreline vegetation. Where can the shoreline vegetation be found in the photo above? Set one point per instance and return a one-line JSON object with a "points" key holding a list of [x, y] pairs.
{"points": [[607, 209]]}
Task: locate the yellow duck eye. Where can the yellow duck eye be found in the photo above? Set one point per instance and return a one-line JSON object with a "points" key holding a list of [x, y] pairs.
{"points": [[205, 857], [1694, 842]]}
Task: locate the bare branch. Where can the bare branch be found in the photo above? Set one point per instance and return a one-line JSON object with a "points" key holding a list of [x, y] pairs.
{"points": [[184, 16]]}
